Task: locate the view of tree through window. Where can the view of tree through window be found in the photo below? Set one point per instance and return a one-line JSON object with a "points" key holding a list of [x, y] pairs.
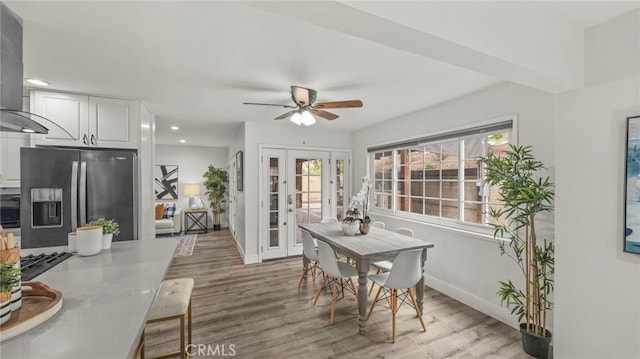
{"points": [[441, 179]]}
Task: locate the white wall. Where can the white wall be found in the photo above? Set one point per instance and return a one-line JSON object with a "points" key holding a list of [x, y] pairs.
{"points": [[146, 155], [238, 144], [192, 162], [284, 134], [597, 296], [466, 266]]}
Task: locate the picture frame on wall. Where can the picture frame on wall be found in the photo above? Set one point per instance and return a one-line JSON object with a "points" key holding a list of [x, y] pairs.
{"points": [[239, 171], [632, 187], [166, 181]]}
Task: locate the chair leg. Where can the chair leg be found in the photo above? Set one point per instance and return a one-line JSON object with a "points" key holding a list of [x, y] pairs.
{"points": [[189, 324], [372, 283], [353, 287], [415, 305], [394, 310], [305, 269], [334, 295], [182, 346], [324, 283], [375, 300]]}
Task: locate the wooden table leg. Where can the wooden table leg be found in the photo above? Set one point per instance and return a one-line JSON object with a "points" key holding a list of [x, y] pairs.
{"points": [[363, 271]]}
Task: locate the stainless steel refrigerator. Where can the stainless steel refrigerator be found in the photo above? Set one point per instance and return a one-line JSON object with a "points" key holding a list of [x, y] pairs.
{"points": [[62, 189]]}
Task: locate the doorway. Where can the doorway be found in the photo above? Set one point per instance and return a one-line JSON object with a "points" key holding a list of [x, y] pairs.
{"points": [[298, 186]]}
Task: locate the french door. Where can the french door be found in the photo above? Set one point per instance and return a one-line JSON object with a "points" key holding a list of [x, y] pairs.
{"points": [[298, 186]]}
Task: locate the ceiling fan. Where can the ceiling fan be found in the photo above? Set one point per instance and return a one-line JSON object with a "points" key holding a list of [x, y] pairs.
{"points": [[305, 105]]}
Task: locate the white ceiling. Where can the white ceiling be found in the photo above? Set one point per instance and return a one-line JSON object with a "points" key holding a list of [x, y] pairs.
{"points": [[194, 63]]}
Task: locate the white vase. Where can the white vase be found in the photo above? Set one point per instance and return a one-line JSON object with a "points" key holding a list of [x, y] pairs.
{"points": [[106, 240], [351, 228], [89, 240]]}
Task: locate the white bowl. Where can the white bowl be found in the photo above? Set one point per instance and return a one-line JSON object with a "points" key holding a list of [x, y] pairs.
{"points": [[89, 240]]}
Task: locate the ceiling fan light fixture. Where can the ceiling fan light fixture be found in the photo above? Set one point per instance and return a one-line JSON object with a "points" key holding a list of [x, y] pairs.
{"points": [[307, 118], [296, 118]]}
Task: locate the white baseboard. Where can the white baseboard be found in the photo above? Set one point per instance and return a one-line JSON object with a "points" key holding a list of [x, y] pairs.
{"points": [[499, 313], [246, 259]]}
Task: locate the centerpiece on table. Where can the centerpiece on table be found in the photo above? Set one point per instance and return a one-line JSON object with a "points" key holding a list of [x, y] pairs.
{"points": [[354, 221]]}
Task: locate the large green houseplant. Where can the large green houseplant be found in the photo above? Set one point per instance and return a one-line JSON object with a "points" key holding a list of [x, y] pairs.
{"points": [[523, 195], [215, 180]]}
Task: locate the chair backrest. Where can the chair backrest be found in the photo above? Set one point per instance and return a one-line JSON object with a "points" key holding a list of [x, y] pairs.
{"points": [[405, 231], [406, 271], [308, 246], [378, 224], [329, 220], [328, 260]]}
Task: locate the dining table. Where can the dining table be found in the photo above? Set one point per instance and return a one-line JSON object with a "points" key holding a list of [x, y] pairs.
{"points": [[365, 248]]}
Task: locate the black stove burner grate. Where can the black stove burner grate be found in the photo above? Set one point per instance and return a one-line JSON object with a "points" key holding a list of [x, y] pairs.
{"points": [[34, 265]]}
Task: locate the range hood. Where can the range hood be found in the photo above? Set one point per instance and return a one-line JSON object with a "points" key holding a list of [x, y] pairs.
{"points": [[12, 118]]}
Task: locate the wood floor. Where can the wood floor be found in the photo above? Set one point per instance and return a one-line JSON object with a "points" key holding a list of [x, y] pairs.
{"points": [[258, 311]]}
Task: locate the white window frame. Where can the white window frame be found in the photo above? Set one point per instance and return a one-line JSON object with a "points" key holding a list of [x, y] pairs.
{"points": [[454, 224]]}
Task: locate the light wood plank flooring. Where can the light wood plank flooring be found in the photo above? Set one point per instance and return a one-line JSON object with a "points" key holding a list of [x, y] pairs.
{"points": [[258, 311]]}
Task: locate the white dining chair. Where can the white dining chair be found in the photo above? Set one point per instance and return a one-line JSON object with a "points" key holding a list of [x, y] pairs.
{"points": [[329, 220], [404, 275], [378, 224], [310, 250], [337, 275], [385, 265]]}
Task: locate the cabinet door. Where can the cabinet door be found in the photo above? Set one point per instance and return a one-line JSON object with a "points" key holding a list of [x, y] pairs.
{"points": [[112, 123], [10, 144], [68, 111]]}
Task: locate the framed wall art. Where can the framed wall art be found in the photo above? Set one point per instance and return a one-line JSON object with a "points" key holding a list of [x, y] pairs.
{"points": [[166, 181], [632, 187]]}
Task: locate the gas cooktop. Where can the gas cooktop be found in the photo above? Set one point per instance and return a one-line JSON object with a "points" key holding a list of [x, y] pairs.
{"points": [[34, 265]]}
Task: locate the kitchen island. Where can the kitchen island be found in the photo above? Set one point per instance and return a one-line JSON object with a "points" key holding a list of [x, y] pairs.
{"points": [[105, 301]]}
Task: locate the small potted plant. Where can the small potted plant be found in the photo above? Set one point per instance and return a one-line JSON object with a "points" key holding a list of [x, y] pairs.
{"points": [[351, 221], [9, 278], [215, 179], [524, 196], [109, 228]]}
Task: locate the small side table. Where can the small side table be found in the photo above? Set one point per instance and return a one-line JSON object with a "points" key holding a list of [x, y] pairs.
{"points": [[199, 218]]}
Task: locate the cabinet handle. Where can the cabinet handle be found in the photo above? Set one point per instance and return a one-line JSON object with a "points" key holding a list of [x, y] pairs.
{"points": [[84, 139], [93, 139]]}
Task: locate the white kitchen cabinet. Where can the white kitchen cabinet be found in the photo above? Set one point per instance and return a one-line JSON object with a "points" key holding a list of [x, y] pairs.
{"points": [[10, 144], [90, 121]]}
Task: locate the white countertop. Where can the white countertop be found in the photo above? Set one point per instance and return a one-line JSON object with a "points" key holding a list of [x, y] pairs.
{"points": [[105, 300]]}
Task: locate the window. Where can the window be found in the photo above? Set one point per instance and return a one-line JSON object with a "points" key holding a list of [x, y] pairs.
{"points": [[439, 177]]}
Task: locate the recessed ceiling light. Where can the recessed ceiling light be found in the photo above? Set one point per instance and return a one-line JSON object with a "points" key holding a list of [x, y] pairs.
{"points": [[37, 82], [183, 141], [175, 128]]}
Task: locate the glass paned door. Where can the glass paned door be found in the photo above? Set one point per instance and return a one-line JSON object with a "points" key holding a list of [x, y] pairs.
{"points": [[274, 203], [308, 179], [298, 187]]}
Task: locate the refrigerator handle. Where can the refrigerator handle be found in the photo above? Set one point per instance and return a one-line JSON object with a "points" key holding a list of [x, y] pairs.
{"points": [[74, 196], [83, 193]]}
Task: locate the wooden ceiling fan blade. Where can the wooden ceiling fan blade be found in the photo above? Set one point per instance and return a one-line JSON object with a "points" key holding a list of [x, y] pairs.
{"points": [[268, 104], [285, 115], [339, 104], [303, 96], [324, 114]]}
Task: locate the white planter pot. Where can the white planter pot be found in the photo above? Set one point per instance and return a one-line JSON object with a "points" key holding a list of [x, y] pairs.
{"points": [[89, 240], [5, 311], [351, 228], [106, 240]]}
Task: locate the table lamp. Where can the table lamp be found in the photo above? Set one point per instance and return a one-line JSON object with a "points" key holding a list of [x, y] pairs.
{"points": [[192, 190]]}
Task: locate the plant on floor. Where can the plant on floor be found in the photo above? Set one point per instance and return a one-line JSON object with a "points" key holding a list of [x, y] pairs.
{"points": [[523, 196], [215, 180], [109, 226]]}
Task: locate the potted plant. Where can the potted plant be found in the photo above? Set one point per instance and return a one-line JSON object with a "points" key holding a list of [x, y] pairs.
{"points": [[523, 196], [215, 179], [109, 228], [9, 278]]}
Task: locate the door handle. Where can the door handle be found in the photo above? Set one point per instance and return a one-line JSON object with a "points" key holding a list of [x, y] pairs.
{"points": [[93, 139], [290, 209], [84, 139], [290, 199]]}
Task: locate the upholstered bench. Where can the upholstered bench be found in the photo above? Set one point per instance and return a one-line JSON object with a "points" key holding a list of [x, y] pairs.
{"points": [[173, 301]]}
